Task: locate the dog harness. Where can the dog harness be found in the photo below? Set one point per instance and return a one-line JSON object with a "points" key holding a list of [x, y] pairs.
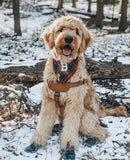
{"points": [[64, 72]]}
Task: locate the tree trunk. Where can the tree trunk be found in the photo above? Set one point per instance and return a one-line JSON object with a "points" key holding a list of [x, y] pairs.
{"points": [[74, 3], [99, 14], [34, 74], [120, 6], [89, 5], [17, 27], [60, 4], [123, 20], [1, 2]]}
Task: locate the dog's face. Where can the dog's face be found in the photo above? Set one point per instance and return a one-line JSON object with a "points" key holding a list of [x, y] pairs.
{"points": [[67, 37]]}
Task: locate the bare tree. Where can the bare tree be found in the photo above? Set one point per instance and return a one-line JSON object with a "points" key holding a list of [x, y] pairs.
{"points": [[89, 5], [99, 14], [60, 4], [120, 6], [74, 3], [123, 20], [1, 1], [17, 27]]}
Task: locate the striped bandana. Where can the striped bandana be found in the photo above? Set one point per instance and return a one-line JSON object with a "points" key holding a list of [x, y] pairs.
{"points": [[61, 72]]}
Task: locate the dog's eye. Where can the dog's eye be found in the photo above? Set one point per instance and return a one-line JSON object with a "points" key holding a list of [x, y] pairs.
{"points": [[77, 32], [61, 30]]}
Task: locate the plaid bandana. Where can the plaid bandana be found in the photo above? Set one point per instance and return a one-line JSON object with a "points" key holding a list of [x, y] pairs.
{"points": [[64, 76]]}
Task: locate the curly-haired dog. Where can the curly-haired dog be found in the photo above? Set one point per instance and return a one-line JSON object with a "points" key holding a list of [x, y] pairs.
{"points": [[68, 91]]}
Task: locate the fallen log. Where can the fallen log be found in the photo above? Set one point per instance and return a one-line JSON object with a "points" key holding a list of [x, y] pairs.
{"points": [[34, 74]]}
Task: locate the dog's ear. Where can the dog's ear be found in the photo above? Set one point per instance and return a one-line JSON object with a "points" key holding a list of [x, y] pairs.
{"points": [[48, 36], [86, 42]]}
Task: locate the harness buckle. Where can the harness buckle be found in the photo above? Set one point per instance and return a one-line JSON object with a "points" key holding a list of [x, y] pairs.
{"points": [[57, 96]]}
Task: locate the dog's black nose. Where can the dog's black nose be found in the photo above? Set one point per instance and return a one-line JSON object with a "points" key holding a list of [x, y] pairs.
{"points": [[68, 39]]}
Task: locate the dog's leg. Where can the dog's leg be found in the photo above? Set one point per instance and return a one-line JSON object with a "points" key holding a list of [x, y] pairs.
{"points": [[71, 124], [46, 121], [90, 126]]}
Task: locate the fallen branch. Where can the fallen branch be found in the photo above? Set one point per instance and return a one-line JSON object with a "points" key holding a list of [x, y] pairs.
{"points": [[97, 70]]}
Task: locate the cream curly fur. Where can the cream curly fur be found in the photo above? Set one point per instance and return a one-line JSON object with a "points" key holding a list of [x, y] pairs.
{"points": [[81, 110]]}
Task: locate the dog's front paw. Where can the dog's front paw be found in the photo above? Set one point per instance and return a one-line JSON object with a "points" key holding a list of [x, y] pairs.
{"points": [[39, 139], [91, 141], [32, 148], [69, 154]]}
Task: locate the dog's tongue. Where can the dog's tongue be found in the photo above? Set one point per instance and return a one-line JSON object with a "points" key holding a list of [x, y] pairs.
{"points": [[67, 51]]}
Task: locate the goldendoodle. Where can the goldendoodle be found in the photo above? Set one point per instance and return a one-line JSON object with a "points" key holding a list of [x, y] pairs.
{"points": [[68, 92]]}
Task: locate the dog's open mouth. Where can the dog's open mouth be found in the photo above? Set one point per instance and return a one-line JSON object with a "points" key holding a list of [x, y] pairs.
{"points": [[66, 50]]}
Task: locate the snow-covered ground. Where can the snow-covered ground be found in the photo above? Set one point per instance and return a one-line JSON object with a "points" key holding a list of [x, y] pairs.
{"points": [[16, 135], [28, 50]]}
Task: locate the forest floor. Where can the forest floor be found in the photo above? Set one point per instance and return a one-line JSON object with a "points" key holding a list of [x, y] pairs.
{"points": [[18, 102]]}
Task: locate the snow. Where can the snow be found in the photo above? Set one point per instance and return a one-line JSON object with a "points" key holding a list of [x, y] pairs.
{"points": [[81, 16], [13, 143], [28, 62], [10, 89], [35, 93], [124, 60], [29, 49], [21, 75]]}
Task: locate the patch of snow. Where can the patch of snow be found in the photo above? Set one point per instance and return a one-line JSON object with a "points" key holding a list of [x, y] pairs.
{"points": [[22, 75], [124, 60], [5, 64], [81, 16], [10, 89], [114, 146], [107, 20], [12, 95], [110, 28], [35, 93]]}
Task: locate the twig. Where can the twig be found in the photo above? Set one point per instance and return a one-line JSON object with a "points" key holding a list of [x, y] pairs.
{"points": [[125, 104], [28, 126], [62, 155], [121, 97], [17, 128], [89, 156], [9, 131]]}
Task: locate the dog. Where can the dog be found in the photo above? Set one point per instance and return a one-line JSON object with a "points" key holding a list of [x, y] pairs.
{"points": [[68, 92]]}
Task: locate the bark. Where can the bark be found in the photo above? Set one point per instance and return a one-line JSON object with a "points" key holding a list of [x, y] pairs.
{"points": [[99, 14], [1, 2], [97, 70], [123, 20], [120, 6], [17, 27], [74, 3], [81, 13], [60, 4], [89, 5]]}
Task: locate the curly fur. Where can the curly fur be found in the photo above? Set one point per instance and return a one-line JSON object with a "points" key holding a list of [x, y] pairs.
{"points": [[81, 110]]}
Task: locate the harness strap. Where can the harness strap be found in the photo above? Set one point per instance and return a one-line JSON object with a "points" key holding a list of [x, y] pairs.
{"points": [[79, 83], [57, 96], [64, 87]]}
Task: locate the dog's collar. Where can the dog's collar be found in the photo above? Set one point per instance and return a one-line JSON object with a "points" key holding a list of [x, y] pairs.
{"points": [[65, 71]]}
